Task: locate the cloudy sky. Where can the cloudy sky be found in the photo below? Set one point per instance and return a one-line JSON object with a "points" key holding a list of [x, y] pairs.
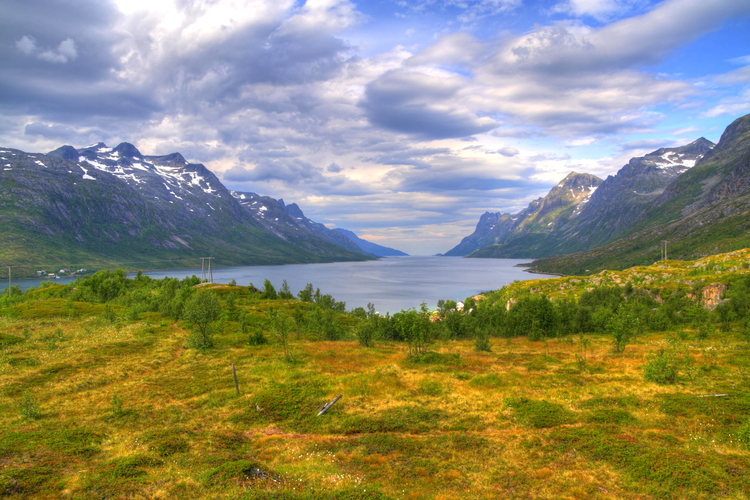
{"points": [[403, 121]]}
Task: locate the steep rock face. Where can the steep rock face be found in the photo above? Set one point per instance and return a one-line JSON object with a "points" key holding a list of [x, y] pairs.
{"points": [[491, 229], [370, 247], [520, 235]]}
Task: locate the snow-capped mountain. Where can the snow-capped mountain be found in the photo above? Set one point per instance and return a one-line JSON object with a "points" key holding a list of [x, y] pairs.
{"points": [[583, 212], [104, 206], [540, 218], [288, 221]]}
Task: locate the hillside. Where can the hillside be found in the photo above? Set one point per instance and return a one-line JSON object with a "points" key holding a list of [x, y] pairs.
{"points": [[525, 231], [99, 207], [105, 394], [704, 211], [610, 210]]}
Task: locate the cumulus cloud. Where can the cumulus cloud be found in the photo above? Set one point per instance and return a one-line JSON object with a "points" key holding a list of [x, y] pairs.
{"points": [[292, 171], [422, 104], [65, 51], [278, 94], [508, 151]]}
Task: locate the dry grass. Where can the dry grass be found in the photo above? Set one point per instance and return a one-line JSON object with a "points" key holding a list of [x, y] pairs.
{"points": [[523, 421]]}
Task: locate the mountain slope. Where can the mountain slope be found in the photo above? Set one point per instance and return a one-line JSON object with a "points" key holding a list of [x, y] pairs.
{"points": [[290, 224], [613, 209], [104, 206], [520, 235], [370, 247], [706, 210]]}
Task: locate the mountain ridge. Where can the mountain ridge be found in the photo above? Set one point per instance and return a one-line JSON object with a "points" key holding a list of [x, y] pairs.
{"points": [[105, 206]]}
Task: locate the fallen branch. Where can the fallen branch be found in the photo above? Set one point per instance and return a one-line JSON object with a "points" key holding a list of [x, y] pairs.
{"points": [[713, 396], [327, 406]]}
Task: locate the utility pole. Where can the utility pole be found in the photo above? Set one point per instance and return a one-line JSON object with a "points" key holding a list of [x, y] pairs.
{"points": [[9, 291], [207, 275], [665, 249]]}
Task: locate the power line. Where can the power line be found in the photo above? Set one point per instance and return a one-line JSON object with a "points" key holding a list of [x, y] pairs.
{"points": [[206, 272]]}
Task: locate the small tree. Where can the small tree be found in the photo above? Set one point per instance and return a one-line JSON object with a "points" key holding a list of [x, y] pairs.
{"points": [[365, 333], [201, 310], [284, 291], [280, 325], [414, 326], [269, 292], [623, 327], [661, 368]]}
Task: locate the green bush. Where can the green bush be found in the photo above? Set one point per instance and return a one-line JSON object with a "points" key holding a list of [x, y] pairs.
{"points": [[661, 368], [539, 414], [365, 333], [257, 338]]}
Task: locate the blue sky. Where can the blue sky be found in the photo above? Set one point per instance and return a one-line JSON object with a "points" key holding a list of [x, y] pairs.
{"points": [[402, 121]]}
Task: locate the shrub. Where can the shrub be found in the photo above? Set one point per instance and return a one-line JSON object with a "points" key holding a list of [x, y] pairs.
{"points": [[365, 333], [539, 414], [482, 341], [257, 338], [661, 368]]}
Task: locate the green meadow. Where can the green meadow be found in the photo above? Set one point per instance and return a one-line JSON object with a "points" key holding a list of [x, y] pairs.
{"points": [[617, 385]]}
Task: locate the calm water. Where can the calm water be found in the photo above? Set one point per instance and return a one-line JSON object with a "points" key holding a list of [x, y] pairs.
{"points": [[391, 284]]}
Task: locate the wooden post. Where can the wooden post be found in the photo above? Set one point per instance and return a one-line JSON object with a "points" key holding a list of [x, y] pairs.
{"points": [[236, 384], [327, 406]]}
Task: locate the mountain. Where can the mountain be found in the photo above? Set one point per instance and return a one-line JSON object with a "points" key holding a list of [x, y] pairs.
{"points": [[704, 211], [288, 222], [104, 206], [522, 234], [622, 199], [611, 210], [370, 247]]}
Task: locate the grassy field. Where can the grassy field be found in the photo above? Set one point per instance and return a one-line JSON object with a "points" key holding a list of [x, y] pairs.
{"points": [[101, 402], [126, 410]]}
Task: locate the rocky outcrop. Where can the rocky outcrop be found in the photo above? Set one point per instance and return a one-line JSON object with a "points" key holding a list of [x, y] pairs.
{"points": [[713, 295]]}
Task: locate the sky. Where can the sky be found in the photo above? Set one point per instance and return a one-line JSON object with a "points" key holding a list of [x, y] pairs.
{"points": [[401, 121]]}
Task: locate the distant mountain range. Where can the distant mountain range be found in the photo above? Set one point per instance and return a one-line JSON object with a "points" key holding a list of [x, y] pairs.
{"points": [[696, 197], [103, 207], [370, 247]]}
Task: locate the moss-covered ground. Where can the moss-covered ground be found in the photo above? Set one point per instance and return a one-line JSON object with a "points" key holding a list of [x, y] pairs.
{"points": [[124, 410]]}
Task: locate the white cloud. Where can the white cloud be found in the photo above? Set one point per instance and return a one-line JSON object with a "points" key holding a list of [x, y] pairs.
{"points": [[27, 45], [64, 52]]}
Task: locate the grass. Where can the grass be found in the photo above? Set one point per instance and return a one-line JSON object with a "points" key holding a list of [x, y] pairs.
{"points": [[92, 408]]}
